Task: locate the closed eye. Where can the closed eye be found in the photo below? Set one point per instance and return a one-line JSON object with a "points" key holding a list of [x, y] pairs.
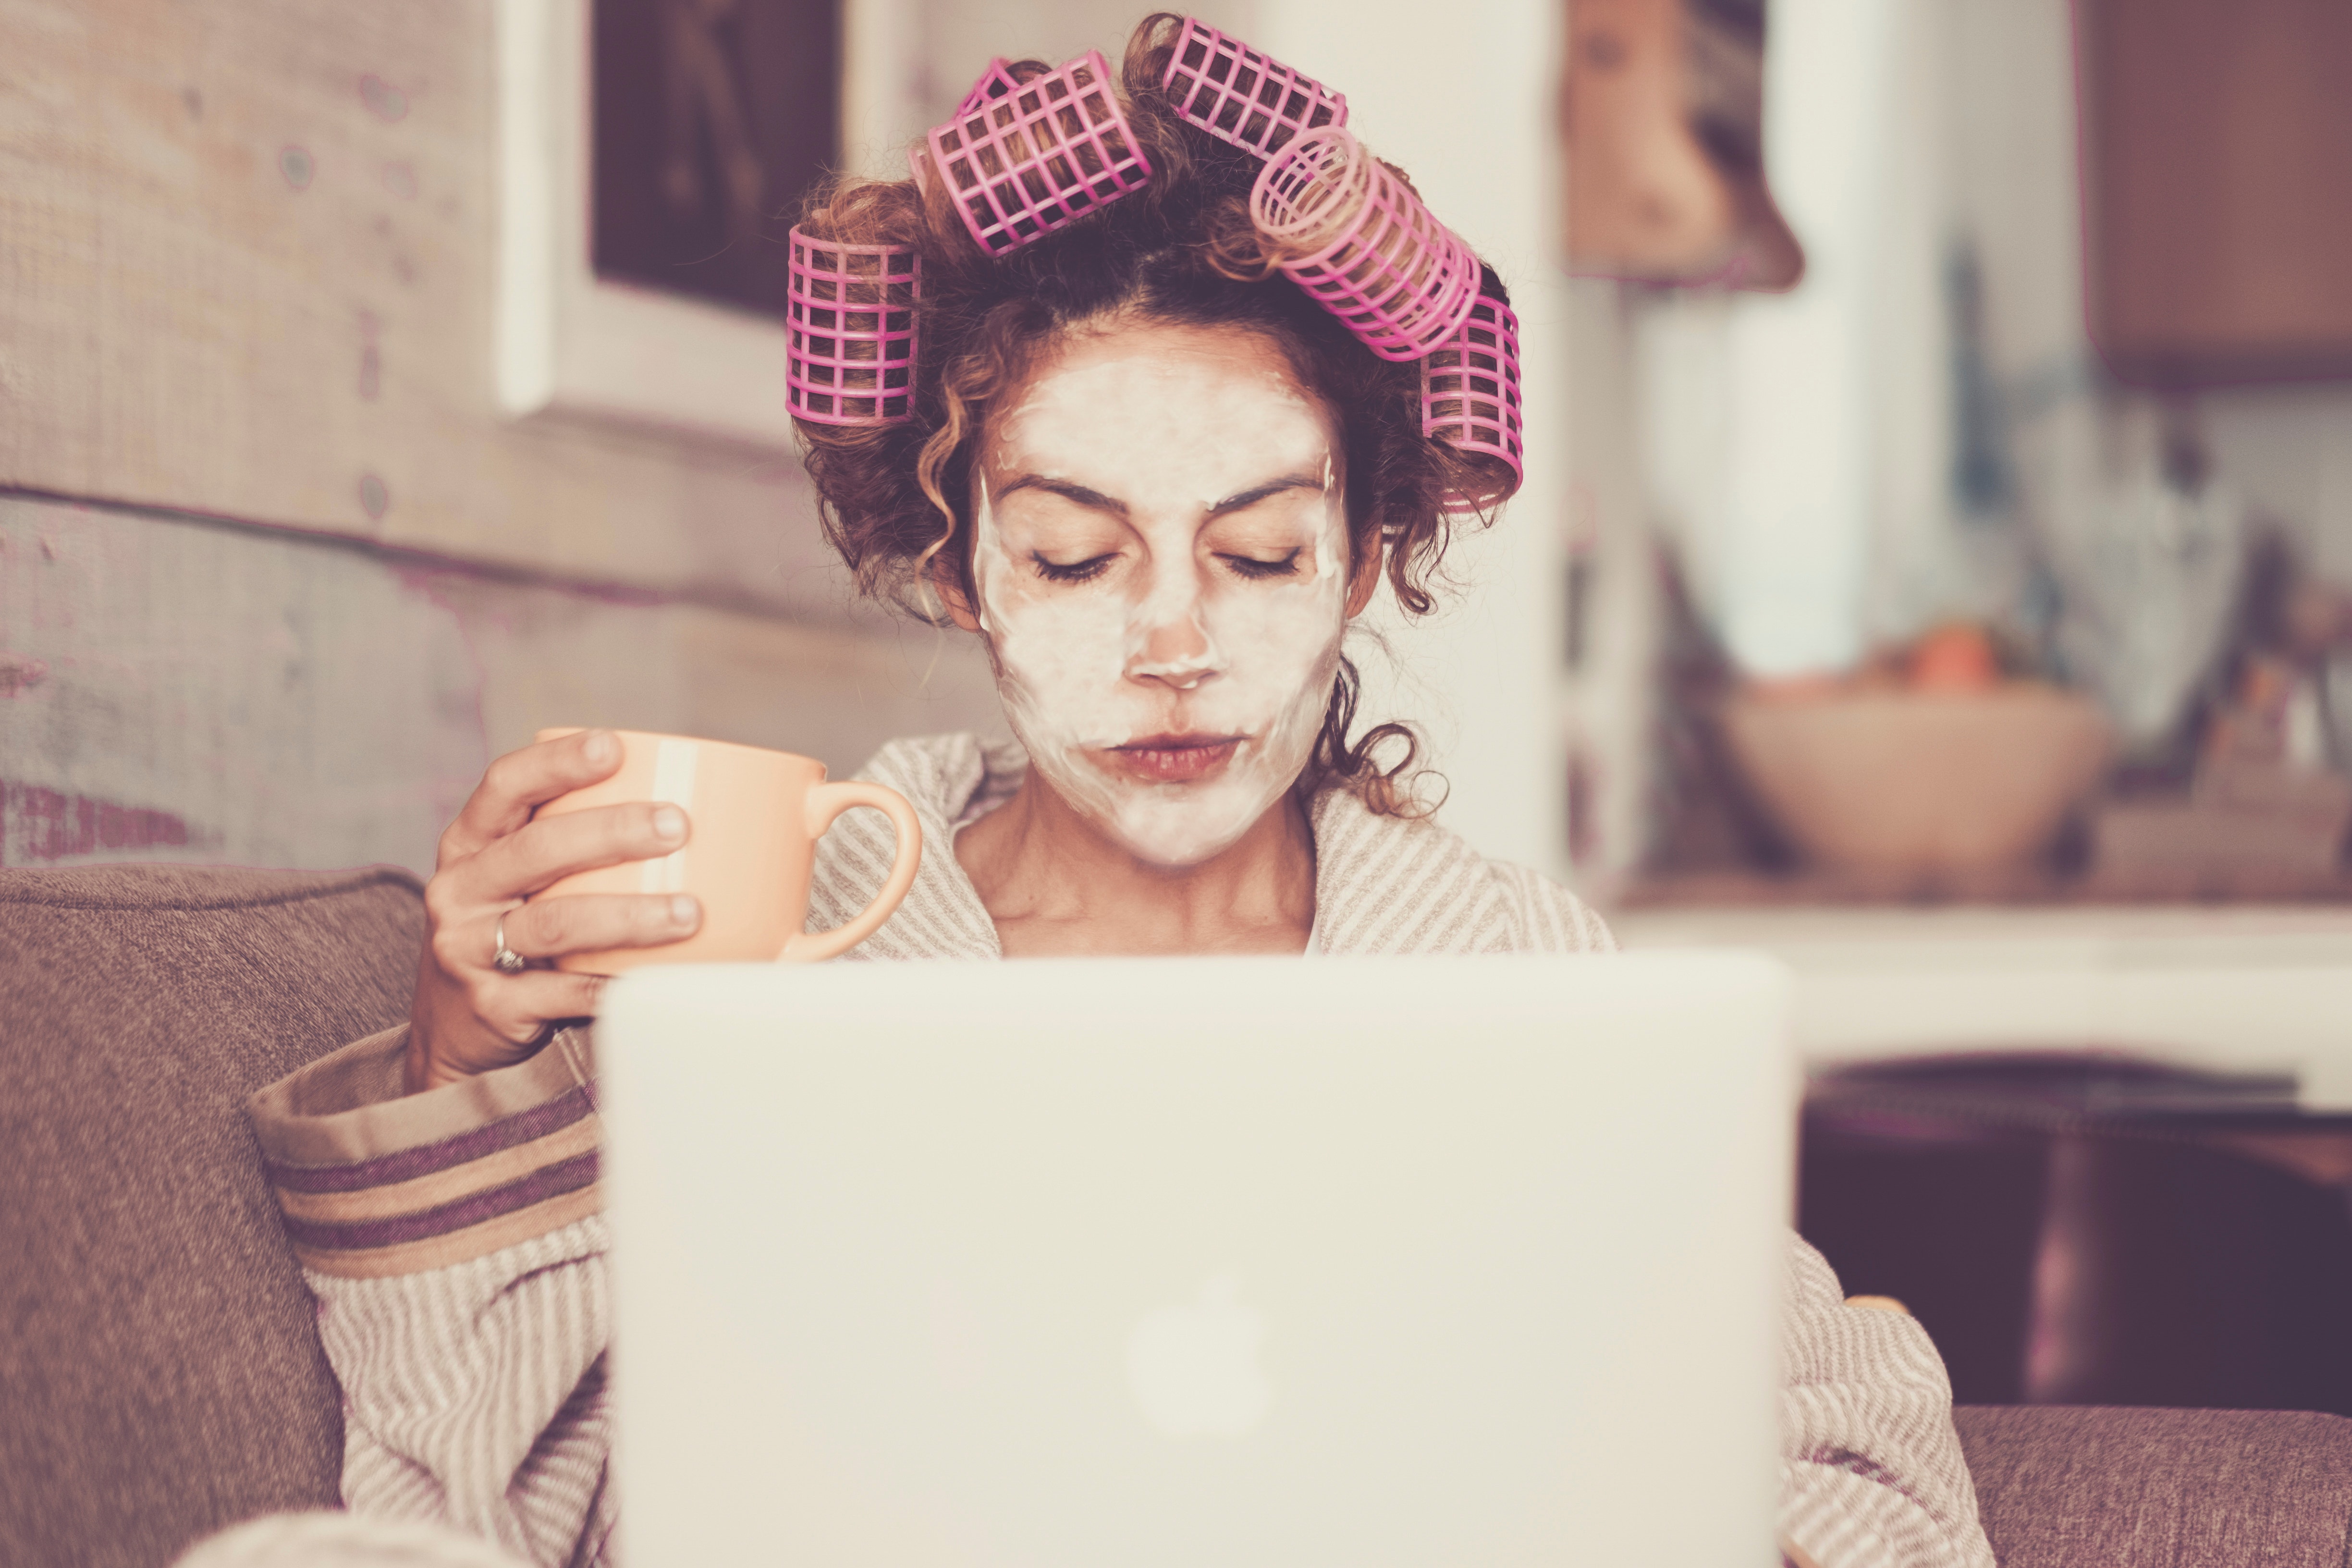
{"points": [[1084, 570], [1251, 567]]}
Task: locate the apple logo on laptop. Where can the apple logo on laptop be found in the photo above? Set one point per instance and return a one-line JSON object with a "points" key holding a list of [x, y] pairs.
{"points": [[1193, 1366]]}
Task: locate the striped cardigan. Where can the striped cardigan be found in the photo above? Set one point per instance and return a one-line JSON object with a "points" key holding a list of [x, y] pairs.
{"points": [[455, 1243]]}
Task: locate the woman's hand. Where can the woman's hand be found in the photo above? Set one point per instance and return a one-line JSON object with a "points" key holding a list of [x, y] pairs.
{"points": [[467, 1016]]}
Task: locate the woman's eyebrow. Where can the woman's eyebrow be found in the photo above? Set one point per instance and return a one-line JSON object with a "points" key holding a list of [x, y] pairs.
{"points": [[1270, 487], [1094, 500]]}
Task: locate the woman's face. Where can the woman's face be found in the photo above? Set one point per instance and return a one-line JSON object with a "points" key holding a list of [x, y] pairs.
{"points": [[1162, 559]]}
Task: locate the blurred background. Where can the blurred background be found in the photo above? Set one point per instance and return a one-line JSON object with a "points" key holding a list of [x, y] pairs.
{"points": [[1935, 564], [1942, 486]]}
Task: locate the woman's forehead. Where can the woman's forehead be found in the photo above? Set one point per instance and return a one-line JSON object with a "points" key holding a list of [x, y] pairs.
{"points": [[1154, 408]]}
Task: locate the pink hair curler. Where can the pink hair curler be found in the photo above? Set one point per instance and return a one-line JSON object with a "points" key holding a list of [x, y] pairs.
{"points": [[1470, 391], [1363, 245], [994, 82], [849, 347], [1238, 95], [1050, 151]]}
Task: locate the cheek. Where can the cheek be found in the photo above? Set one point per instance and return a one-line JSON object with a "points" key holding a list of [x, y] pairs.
{"points": [[1281, 637], [1061, 649], [1276, 638], [1038, 634]]}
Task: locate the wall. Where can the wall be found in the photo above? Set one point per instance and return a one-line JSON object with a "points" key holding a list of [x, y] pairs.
{"points": [[248, 275], [246, 281], [1611, 702], [173, 687], [1800, 441]]}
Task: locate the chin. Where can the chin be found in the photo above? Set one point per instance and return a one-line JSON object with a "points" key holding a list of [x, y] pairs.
{"points": [[1179, 827], [1178, 854]]}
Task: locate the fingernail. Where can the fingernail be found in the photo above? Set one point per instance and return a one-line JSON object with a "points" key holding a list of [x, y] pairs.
{"points": [[685, 909], [601, 747], [669, 825]]}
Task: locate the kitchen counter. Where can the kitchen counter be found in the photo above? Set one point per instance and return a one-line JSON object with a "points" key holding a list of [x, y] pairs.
{"points": [[2224, 986]]}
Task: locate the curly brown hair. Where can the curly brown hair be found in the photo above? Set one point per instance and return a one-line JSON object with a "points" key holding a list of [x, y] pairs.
{"points": [[896, 499]]}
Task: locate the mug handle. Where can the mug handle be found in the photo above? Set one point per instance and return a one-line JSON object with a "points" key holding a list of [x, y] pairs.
{"points": [[826, 802]]}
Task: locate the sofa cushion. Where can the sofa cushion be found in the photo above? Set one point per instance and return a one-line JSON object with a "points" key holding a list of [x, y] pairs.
{"points": [[159, 1368], [2110, 1486]]}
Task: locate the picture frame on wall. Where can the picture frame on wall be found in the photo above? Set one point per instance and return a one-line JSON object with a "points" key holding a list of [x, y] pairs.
{"points": [[651, 155]]}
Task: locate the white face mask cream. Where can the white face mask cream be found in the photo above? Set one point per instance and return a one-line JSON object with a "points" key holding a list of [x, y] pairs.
{"points": [[1161, 551]]}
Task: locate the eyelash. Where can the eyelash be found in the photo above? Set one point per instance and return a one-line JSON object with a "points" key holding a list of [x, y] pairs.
{"points": [[1257, 571], [1075, 572]]}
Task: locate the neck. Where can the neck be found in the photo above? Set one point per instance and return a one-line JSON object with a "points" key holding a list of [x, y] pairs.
{"points": [[1055, 884]]}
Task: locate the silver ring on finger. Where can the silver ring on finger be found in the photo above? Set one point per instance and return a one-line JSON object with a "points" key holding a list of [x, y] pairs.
{"points": [[506, 959]]}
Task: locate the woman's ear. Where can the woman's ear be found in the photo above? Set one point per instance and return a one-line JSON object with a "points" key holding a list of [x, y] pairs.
{"points": [[959, 605], [1365, 580]]}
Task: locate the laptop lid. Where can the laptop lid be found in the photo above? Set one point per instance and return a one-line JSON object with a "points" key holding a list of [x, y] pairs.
{"points": [[1233, 1261]]}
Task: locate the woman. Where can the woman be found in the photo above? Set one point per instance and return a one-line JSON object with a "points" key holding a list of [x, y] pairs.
{"points": [[1157, 481]]}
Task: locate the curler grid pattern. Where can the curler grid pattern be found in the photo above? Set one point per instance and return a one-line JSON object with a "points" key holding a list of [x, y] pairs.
{"points": [[1375, 255], [1470, 391], [1238, 95], [849, 352], [1041, 157], [994, 82]]}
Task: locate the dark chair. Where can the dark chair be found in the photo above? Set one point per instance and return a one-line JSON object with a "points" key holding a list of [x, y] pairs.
{"points": [[2087, 1229]]}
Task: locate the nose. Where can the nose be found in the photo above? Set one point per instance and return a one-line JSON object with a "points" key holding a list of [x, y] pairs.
{"points": [[1166, 643], [1176, 654]]}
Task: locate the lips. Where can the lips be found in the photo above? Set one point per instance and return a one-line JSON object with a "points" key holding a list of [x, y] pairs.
{"points": [[1174, 759]]}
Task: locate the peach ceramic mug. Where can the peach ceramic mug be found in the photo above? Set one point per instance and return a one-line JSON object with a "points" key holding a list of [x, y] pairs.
{"points": [[755, 816]]}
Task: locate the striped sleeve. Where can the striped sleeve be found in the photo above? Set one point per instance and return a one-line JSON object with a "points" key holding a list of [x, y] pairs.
{"points": [[1871, 1468], [1404, 885], [455, 1243], [1551, 917], [1386, 885]]}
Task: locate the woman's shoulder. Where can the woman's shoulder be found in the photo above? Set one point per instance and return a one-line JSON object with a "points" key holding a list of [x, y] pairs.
{"points": [[1388, 884], [954, 777], [1552, 918]]}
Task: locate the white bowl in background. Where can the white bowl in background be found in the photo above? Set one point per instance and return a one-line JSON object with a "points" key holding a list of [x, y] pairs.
{"points": [[1899, 781]]}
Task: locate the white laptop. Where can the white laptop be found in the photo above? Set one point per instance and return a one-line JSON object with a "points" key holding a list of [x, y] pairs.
{"points": [[1218, 1263]]}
